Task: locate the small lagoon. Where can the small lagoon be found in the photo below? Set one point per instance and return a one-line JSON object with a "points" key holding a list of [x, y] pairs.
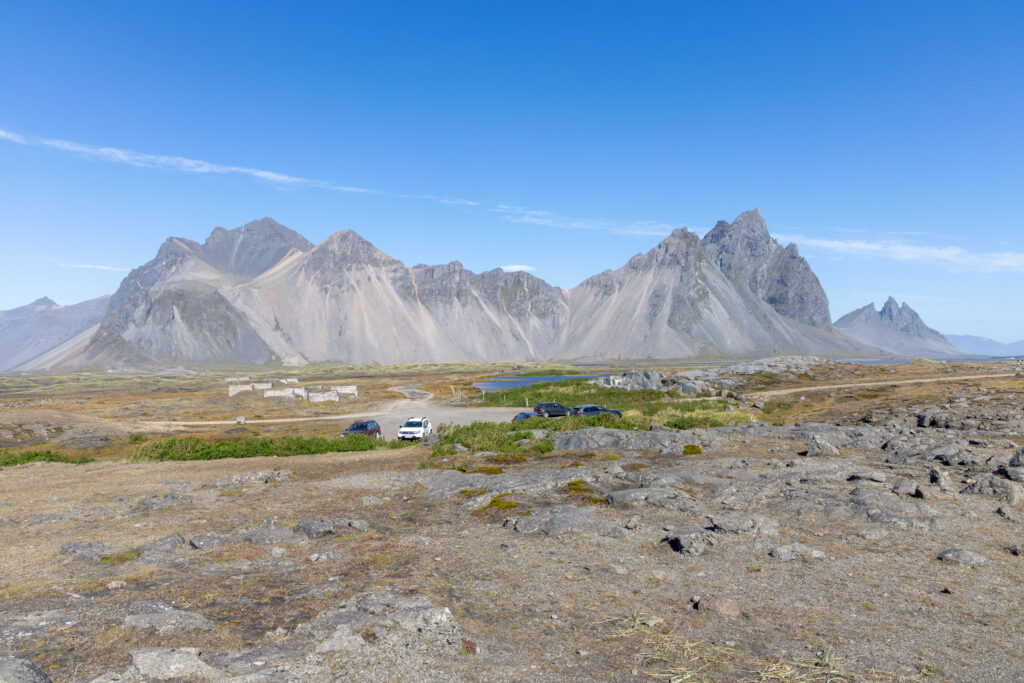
{"points": [[512, 381]]}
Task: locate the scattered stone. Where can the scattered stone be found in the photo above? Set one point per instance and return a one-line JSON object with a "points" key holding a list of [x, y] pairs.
{"points": [[820, 447], [359, 525], [328, 556], [117, 585], [272, 536], [164, 618], [940, 479], [1008, 514], [739, 523], [721, 606], [20, 671], [691, 540], [961, 556], [277, 552], [157, 501], [1012, 473], [258, 477], [873, 534], [1001, 489], [163, 547], [47, 518], [868, 475], [314, 528], [208, 541], [372, 501], [165, 663], [905, 487], [89, 550], [564, 519], [795, 551]]}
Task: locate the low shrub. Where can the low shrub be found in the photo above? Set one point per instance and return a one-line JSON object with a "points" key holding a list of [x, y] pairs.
{"points": [[194, 448], [9, 458]]}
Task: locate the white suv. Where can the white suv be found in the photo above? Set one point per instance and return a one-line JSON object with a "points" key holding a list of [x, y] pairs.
{"points": [[415, 428]]}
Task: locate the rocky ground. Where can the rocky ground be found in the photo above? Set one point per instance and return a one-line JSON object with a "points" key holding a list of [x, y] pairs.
{"points": [[884, 544]]}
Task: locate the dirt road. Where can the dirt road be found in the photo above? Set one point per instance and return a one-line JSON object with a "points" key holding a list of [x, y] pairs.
{"points": [[884, 383], [417, 403]]}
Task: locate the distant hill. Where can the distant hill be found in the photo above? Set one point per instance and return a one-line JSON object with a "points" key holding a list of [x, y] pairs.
{"points": [[41, 326], [262, 293], [896, 329], [985, 347]]}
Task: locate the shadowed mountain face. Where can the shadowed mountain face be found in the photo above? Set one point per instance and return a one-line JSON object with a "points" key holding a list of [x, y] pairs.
{"points": [[262, 292], [30, 331], [752, 260], [251, 249], [897, 329]]}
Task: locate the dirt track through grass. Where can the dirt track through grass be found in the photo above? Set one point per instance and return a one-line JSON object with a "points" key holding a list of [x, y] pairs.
{"points": [[772, 393]]}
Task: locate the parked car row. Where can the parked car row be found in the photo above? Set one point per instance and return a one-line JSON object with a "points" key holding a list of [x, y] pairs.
{"points": [[413, 428], [549, 409]]}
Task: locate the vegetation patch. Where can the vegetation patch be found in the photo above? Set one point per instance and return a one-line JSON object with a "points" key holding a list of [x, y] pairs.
{"points": [[472, 493], [577, 486], [509, 441], [121, 557], [497, 503], [9, 459], [692, 449], [195, 448], [486, 470]]}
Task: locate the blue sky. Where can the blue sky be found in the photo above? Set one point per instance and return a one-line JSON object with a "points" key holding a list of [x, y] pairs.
{"points": [[885, 139]]}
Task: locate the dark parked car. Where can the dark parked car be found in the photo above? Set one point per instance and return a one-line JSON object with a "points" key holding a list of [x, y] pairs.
{"points": [[591, 410], [551, 410], [368, 427], [526, 416]]}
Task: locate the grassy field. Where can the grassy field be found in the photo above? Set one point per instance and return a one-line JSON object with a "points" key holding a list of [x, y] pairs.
{"points": [[640, 409], [195, 448], [10, 458]]}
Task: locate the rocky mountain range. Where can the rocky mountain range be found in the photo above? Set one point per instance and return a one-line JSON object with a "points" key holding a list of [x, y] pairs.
{"points": [[30, 331], [263, 293], [896, 329], [985, 347]]}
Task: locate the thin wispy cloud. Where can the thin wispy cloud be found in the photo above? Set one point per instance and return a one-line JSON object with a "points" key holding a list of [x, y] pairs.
{"points": [[951, 258], [509, 212], [173, 163], [517, 269], [94, 267], [519, 214]]}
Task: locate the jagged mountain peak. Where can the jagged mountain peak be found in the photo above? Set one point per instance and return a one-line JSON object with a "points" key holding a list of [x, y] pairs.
{"points": [[895, 328], [891, 309], [750, 258], [748, 228], [43, 303], [349, 247], [680, 248], [251, 249]]}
